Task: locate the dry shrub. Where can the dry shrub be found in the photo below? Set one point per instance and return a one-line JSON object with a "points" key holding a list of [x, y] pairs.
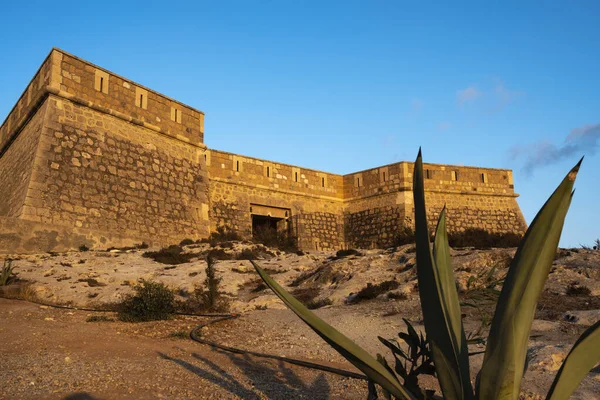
{"points": [[482, 239], [371, 291], [170, 255]]}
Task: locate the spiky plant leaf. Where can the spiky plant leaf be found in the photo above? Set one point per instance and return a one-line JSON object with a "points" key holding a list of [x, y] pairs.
{"points": [[374, 370], [449, 295], [584, 355], [439, 299], [502, 369]]}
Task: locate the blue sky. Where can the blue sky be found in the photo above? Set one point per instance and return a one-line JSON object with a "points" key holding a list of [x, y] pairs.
{"points": [[345, 86]]}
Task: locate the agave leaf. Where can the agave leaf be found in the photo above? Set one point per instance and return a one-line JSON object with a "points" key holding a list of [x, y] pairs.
{"points": [[581, 359], [439, 299], [383, 362], [451, 303], [506, 350], [342, 344]]}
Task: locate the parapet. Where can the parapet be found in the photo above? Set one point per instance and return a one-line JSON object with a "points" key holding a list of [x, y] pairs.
{"points": [[438, 178], [70, 77]]}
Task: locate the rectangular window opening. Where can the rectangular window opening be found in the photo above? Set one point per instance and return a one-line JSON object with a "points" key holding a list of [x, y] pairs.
{"points": [[383, 176], [323, 182], [358, 182], [296, 176], [454, 175], [268, 172], [101, 84], [141, 100], [237, 166], [428, 174]]}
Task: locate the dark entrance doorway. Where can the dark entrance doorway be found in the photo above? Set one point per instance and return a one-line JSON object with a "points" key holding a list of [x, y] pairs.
{"points": [[270, 223], [262, 224]]}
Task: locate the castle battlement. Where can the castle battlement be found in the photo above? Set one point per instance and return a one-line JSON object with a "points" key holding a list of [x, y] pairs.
{"points": [[65, 75]]}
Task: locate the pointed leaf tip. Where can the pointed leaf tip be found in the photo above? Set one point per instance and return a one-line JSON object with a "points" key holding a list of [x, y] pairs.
{"points": [[573, 173]]}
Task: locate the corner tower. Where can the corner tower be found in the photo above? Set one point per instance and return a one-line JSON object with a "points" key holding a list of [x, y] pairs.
{"points": [[90, 156]]}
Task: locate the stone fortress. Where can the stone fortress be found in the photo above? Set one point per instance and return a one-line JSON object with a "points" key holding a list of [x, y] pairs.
{"points": [[88, 157]]}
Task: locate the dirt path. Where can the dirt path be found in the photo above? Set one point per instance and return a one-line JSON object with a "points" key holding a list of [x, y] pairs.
{"points": [[55, 354]]}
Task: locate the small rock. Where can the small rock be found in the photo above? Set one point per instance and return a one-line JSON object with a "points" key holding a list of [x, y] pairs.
{"points": [[582, 317], [48, 319]]}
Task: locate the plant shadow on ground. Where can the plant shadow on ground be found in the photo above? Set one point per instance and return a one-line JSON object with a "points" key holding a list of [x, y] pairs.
{"points": [[279, 382]]}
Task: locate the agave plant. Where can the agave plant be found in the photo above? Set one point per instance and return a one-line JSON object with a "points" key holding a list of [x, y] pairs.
{"points": [[505, 354]]}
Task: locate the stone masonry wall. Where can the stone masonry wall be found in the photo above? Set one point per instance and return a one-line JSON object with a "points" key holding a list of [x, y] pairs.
{"points": [[319, 231], [16, 165], [18, 236], [96, 171], [273, 175], [93, 84], [372, 228], [25, 106]]}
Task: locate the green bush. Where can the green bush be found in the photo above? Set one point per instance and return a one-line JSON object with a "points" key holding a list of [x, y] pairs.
{"points": [[152, 301]]}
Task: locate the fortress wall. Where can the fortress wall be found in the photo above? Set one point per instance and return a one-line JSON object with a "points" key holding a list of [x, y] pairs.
{"points": [[91, 83], [238, 182], [26, 104], [19, 236], [373, 221], [453, 178], [16, 165], [97, 172], [317, 222], [495, 214], [475, 198], [379, 201], [273, 175], [375, 181]]}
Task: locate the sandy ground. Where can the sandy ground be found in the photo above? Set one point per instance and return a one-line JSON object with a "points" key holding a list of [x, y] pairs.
{"points": [[52, 353]]}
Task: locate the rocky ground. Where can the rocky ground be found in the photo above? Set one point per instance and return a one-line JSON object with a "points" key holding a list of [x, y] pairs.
{"points": [[54, 353]]}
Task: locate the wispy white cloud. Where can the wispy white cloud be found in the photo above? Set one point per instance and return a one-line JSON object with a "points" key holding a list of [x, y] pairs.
{"points": [[580, 141], [504, 95], [444, 126], [466, 95]]}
